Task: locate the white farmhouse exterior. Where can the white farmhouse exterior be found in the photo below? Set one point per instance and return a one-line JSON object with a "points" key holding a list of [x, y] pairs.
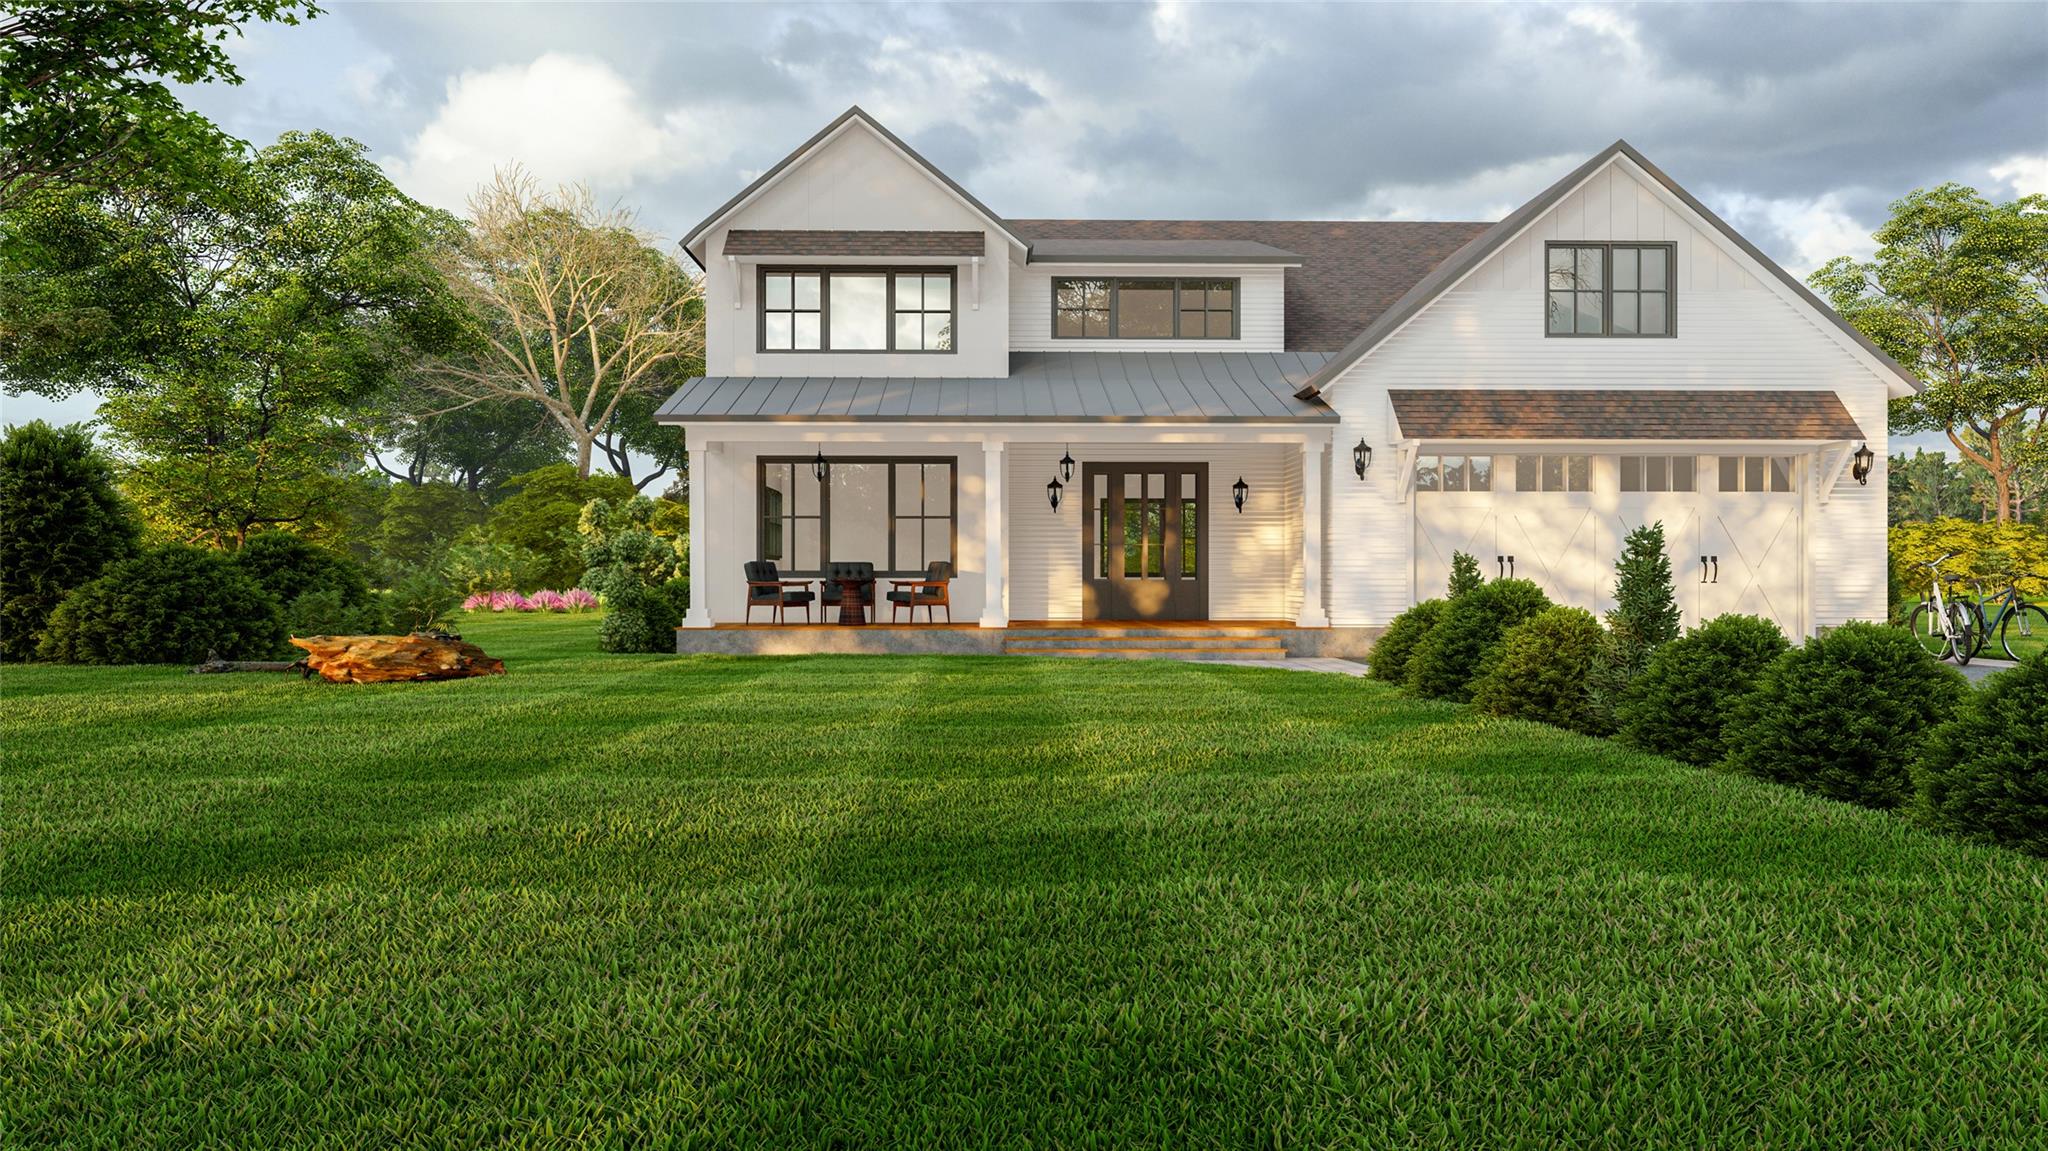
{"points": [[1379, 394]]}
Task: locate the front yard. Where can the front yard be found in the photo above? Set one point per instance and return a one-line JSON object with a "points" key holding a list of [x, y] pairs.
{"points": [[609, 901]]}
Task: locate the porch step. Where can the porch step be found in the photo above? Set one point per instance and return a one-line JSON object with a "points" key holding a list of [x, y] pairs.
{"points": [[1192, 643]]}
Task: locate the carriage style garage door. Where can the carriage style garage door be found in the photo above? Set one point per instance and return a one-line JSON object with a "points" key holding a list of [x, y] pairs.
{"points": [[1731, 525]]}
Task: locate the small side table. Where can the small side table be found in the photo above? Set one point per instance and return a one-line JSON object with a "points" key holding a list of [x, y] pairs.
{"points": [[853, 601]]}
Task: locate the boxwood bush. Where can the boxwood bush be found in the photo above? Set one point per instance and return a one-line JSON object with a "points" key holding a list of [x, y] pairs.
{"points": [[166, 605], [1388, 661], [319, 592], [1985, 772], [1539, 670], [61, 523], [1681, 702], [1445, 662], [1845, 716]]}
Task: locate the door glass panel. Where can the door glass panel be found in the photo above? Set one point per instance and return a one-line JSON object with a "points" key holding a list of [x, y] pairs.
{"points": [[1581, 473], [938, 540], [1752, 473], [1190, 527], [1482, 473], [1631, 473], [1100, 498], [1682, 473], [860, 521], [1454, 473], [1553, 473], [1731, 467], [1781, 473], [1134, 536], [1155, 526], [1525, 473], [1659, 472]]}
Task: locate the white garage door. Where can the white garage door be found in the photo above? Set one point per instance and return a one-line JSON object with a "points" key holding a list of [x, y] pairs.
{"points": [[1733, 549]]}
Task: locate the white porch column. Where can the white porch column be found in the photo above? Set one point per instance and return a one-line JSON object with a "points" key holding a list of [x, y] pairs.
{"points": [[995, 527], [699, 614], [1312, 612]]}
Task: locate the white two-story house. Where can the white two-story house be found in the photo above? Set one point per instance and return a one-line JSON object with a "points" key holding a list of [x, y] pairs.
{"points": [[1289, 424]]}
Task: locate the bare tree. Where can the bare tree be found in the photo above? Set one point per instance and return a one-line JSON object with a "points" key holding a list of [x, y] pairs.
{"points": [[574, 309]]}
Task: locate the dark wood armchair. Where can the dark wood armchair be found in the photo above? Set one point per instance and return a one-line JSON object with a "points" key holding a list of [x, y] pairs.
{"points": [[933, 591], [766, 588]]}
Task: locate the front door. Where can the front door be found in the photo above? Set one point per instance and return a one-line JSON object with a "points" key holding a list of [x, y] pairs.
{"points": [[1144, 541]]}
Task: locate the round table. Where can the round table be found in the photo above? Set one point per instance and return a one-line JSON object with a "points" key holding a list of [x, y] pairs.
{"points": [[853, 600]]}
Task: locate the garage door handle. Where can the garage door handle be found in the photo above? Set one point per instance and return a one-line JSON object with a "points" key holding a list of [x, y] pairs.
{"points": [[1717, 568], [1703, 569], [1511, 567], [1500, 564]]}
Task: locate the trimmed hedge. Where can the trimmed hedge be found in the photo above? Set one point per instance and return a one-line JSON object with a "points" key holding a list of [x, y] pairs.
{"points": [[1445, 662], [320, 593], [166, 605], [1985, 772], [1540, 670], [1388, 660], [1680, 704], [1845, 716]]}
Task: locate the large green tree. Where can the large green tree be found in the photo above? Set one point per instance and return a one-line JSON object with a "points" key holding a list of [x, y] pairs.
{"points": [[85, 98], [1958, 292], [61, 522]]}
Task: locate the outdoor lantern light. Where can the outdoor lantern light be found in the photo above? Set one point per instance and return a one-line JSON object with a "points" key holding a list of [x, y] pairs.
{"points": [[1237, 493], [1361, 458], [1067, 464], [1864, 458], [1052, 494], [818, 466]]}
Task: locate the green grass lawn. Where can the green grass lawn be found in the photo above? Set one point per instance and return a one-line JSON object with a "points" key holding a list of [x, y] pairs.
{"points": [[887, 902]]}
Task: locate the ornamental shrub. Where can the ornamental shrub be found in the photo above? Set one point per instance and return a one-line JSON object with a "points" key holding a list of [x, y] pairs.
{"points": [[1388, 661], [540, 517], [321, 593], [1984, 775], [1643, 619], [167, 605], [1844, 716], [61, 524], [327, 613], [422, 600], [1538, 670], [1443, 664], [1680, 703], [1464, 574]]}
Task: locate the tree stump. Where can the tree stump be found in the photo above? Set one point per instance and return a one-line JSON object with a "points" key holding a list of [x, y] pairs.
{"points": [[385, 658]]}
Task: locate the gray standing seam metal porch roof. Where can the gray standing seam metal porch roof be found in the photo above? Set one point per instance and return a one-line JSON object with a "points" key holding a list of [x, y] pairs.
{"points": [[1043, 387]]}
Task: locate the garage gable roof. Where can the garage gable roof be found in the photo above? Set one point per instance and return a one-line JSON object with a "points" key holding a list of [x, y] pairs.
{"points": [[1639, 414], [844, 242], [1469, 257]]}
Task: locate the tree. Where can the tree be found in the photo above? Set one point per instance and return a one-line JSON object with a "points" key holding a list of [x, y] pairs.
{"points": [[61, 523], [633, 430], [84, 98], [1464, 574], [477, 447], [1926, 486], [1958, 292], [541, 513], [1644, 618], [574, 310]]}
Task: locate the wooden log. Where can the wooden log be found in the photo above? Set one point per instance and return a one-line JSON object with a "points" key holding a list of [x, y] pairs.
{"points": [[215, 665], [387, 658]]}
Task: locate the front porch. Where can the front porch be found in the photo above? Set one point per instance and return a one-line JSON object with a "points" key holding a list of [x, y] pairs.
{"points": [[1244, 639]]}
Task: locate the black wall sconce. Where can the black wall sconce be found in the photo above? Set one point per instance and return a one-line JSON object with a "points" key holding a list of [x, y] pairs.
{"points": [[1052, 495], [1067, 465], [1861, 470], [1361, 458], [1238, 491], [818, 467]]}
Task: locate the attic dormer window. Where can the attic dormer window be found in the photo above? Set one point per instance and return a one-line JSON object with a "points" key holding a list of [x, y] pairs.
{"points": [[858, 309], [1609, 289], [1144, 308]]}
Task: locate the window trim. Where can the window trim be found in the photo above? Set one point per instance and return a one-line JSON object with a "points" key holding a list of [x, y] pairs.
{"points": [[1607, 289], [1112, 280], [763, 463], [825, 272]]}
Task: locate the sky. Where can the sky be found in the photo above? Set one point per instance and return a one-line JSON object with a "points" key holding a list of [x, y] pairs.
{"points": [[1798, 123]]}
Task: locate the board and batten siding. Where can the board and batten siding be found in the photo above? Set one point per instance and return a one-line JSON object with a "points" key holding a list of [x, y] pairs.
{"points": [[1254, 556], [1261, 320], [1734, 331]]}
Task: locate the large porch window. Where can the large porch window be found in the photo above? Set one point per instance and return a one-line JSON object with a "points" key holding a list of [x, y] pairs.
{"points": [[899, 513]]}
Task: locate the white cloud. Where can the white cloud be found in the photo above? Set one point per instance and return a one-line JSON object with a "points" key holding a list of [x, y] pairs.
{"points": [[2024, 175], [1813, 231], [371, 83], [1484, 195], [567, 119]]}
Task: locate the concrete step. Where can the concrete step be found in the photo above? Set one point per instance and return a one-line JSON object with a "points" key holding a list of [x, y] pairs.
{"points": [[1192, 655], [1189, 641]]}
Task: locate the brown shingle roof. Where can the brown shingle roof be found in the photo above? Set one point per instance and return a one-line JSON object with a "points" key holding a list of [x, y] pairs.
{"points": [[1648, 414], [1351, 270], [817, 242]]}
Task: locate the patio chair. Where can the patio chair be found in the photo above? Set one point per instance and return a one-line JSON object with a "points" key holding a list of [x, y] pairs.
{"points": [[847, 569], [766, 588], [934, 590]]}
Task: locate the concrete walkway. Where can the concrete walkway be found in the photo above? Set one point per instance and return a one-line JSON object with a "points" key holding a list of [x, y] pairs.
{"points": [[1981, 669], [1327, 664]]}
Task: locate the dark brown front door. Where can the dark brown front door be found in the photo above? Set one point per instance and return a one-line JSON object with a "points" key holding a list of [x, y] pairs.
{"points": [[1145, 541]]}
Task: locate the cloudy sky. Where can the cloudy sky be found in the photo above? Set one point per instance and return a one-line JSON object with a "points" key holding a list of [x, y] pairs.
{"points": [[1799, 123]]}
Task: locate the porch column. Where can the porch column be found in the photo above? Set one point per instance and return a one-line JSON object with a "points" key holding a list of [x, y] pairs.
{"points": [[699, 614], [995, 526], [1312, 613]]}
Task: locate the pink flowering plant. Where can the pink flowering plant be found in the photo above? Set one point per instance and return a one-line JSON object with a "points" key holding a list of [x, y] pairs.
{"points": [[574, 599]]}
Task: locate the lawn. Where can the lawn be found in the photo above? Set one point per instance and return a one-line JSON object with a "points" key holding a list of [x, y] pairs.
{"points": [[891, 902]]}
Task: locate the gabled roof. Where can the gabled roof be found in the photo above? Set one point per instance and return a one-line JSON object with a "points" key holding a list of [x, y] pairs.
{"points": [[1465, 259], [783, 165], [1619, 414], [846, 242], [1202, 251]]}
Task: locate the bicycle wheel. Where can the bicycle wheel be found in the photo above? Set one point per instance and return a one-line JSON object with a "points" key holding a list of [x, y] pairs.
{"points": [[2024, 623], [1928, 632], [1966, 624]]}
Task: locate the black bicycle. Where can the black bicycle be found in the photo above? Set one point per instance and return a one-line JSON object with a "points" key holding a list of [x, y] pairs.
{"points": [[2017, 620]]}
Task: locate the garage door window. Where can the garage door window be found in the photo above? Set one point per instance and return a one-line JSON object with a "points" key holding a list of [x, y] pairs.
{"points": [[1756, 473], [1659, 473], [1553, 473], [1454, 473]]}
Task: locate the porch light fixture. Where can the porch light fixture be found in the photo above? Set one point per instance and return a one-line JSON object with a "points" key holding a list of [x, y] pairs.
{"points": [[1237, 493], [818, 466], [1361, 458], [1864, 458], [1052, 494], [1067, 465]]}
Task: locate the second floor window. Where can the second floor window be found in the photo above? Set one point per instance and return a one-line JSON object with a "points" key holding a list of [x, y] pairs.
{"points": [[1608, 289], [1144, 309], [857, 310]]}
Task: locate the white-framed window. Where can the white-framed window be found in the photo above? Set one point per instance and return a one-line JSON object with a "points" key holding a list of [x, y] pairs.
{"points": [[1756, 473], [1547, 473], [1660, 473], [1454, 473]]}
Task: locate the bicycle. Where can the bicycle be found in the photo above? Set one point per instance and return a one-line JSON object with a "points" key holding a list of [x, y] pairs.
{"points": [[1946, 628], [2014, 616]]}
